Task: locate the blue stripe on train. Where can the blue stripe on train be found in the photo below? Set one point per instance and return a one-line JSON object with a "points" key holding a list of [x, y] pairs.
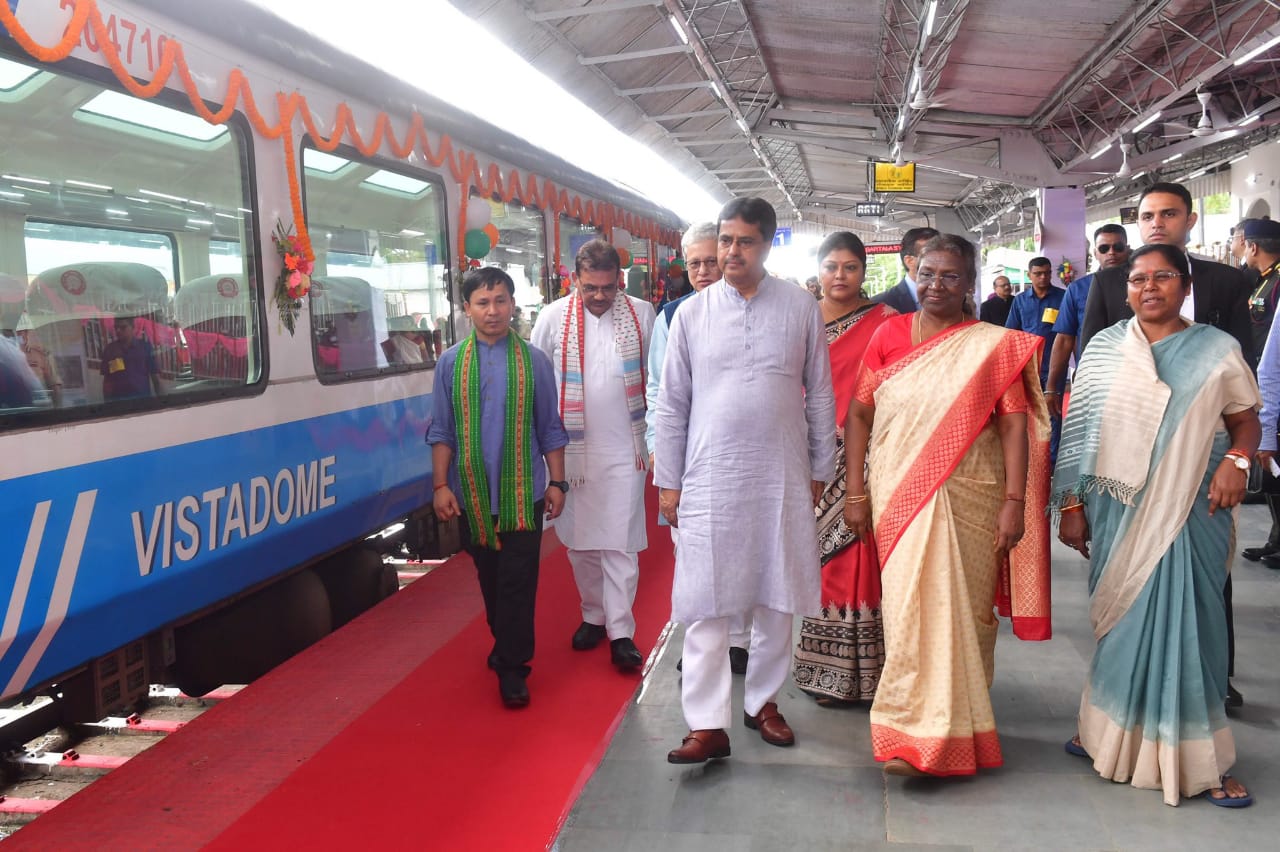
{"points": [[177, 529]]}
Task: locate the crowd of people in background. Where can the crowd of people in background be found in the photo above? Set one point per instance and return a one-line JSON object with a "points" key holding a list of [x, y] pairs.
{"points": [[904, 457]]}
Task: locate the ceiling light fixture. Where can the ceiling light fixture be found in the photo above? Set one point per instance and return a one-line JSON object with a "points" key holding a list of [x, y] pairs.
{"points": [[931, 17], [675, 25], [21, 179], [1098, 153], [1147, 121], [1257, 50]]}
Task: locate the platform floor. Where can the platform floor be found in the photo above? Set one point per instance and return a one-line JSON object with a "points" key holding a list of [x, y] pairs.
{"points": [[827, 793]]}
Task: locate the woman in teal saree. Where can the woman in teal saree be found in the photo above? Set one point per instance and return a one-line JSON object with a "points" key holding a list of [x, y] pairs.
{"points": [[1155, 454]]}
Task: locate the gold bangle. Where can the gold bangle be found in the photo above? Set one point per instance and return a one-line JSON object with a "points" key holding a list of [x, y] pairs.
{"points": [[1074, 507], [855, 498]]}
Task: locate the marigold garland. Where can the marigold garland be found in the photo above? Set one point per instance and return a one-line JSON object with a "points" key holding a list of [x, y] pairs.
{"points": [[463, 165]]}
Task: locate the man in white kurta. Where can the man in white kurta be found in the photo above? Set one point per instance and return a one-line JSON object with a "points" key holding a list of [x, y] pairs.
{"points": [[699, 248], [603, 523], [744, 444]]}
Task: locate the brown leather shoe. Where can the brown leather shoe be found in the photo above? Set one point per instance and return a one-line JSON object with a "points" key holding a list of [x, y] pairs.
{"points": [[773, 728], [701, 746]]}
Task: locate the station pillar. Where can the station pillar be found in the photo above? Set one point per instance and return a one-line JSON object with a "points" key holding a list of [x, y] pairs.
{"points": [[1060, 229]]}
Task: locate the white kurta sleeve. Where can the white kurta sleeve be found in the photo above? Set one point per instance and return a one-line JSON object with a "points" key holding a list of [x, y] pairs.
{"points": [[545, 330], [819, 400], [674, 403]]}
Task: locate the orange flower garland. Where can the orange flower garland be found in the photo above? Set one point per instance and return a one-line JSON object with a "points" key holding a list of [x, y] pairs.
{"points": [[463, 165]]}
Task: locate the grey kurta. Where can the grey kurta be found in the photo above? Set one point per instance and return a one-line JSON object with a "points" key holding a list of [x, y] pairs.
{"points": [[745, 420]]}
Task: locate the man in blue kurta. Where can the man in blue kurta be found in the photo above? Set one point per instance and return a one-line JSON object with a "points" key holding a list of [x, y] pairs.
{"points": [[1034, 311], [494, 420]]}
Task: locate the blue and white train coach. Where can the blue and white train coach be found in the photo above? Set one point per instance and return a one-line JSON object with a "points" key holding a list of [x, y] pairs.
{"points": [[188, 488]]}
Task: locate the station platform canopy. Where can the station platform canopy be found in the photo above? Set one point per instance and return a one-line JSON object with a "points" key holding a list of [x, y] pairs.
{"points": [[795, 100]]}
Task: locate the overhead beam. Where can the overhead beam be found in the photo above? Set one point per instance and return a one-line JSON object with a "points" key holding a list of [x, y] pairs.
{"points": [[596, 9], [700, 113], [831, 119], [634, 54], [665, 87]]}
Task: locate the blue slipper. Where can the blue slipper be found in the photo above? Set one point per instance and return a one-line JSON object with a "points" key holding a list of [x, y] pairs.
{"points": [[1226, 801], [1074, 748]]}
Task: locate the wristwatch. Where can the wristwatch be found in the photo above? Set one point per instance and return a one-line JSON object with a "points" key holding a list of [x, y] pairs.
{"points": [[1241, 462], [559, 483]]}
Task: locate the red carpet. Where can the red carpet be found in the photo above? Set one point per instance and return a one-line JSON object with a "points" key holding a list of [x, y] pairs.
{"points": [[388, 734]]}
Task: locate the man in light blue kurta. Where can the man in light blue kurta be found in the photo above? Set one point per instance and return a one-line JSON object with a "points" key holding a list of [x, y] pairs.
{"points": [[699, 248], [744, 444]]}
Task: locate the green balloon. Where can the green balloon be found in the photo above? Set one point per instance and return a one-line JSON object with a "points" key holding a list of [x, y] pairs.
{"points": [[476, 243]]}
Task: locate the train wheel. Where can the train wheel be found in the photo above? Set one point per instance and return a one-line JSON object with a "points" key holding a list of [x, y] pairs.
{"points": [[248, 638], [355, 579]]}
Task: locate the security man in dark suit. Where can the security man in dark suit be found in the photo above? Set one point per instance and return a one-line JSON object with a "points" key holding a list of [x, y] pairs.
{"points": [[1259, 251], [1219, 297], [902, 297]]}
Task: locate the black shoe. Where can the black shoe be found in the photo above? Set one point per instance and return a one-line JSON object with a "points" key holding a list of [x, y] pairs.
{"points": [[512, 688], [587, 636], [737, 659], [1254, 554], [1234, 698], [625, 654], [1272, 562]]}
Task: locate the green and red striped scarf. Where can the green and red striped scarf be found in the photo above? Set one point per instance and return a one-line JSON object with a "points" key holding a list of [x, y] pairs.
{"points": [[515, 502]]}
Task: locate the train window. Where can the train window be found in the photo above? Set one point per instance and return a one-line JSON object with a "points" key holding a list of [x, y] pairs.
{"points": [[664, 286], [521, 252], [378, 297], [572, 236], [225, 257], [118, 286], [637, 275]]}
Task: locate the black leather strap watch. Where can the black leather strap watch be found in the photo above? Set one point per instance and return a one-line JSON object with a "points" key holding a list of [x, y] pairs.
{"points": [[561, 484]]}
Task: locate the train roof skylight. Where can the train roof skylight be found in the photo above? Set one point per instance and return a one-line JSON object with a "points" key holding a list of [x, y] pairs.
{"points": [[152, 116], [14, 74], [319, 161], [398, 182]]}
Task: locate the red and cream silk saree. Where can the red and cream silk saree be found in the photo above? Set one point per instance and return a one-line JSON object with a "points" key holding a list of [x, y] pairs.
{"points": [[936, 483]]}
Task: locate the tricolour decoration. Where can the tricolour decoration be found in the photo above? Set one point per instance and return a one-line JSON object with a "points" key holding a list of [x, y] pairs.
{"points": [[479, 214], [294, 280], [476, 243]]}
